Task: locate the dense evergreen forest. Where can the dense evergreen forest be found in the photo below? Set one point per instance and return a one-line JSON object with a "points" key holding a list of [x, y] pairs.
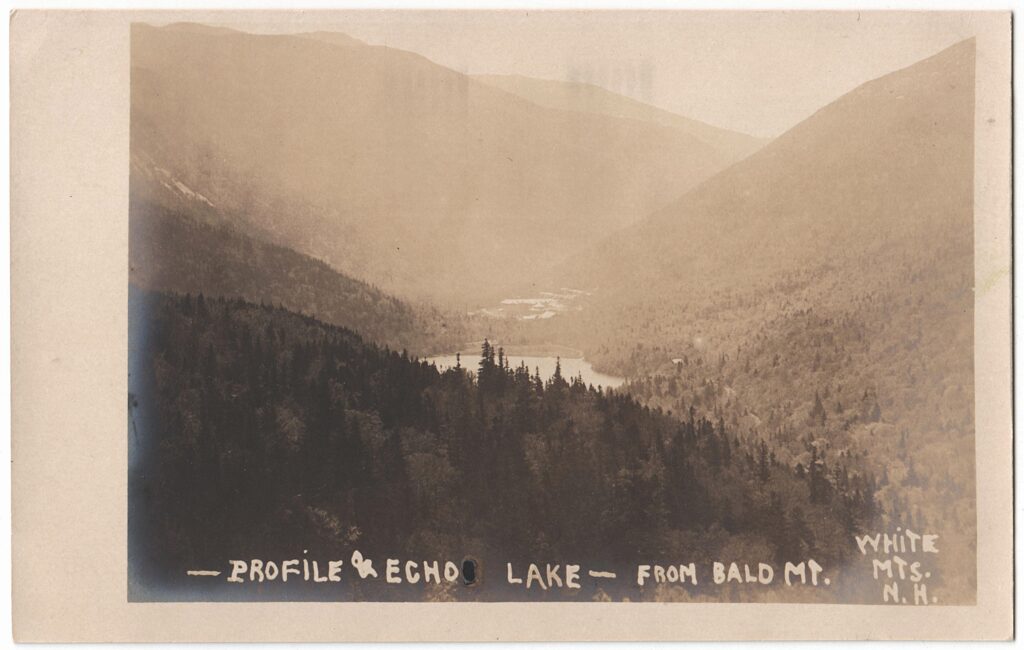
{"points": [[259, 432]]}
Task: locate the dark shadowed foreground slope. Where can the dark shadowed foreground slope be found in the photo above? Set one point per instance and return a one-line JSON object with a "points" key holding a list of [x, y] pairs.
{"points": [[259, 433]]}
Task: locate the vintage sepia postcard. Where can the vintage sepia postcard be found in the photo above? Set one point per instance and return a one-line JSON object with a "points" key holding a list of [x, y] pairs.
{"points": [[557, 314]]}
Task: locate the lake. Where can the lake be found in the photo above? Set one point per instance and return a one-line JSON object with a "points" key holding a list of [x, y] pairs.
{"points": [[570, 367]]}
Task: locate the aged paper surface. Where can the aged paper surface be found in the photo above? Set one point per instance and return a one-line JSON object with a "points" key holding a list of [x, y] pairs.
{"points": [[692, 355]]}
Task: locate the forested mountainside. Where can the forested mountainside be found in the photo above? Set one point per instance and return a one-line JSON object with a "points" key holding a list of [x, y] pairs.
{"points": [[392, 168], [187, 248], [822, 290], [887, 384], [257, 432]]}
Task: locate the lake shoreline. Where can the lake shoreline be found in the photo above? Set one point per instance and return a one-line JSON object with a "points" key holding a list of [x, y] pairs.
{"points": [[545, 365], [529, 350]]}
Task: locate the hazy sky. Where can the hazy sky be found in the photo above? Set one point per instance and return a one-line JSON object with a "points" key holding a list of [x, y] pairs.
{"points": [[759, 73]]}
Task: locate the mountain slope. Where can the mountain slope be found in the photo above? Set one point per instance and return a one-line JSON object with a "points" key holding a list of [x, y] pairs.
{"points": [[390, 167], [588, 98], [188, 249], [889, 164], [820, 293]]}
